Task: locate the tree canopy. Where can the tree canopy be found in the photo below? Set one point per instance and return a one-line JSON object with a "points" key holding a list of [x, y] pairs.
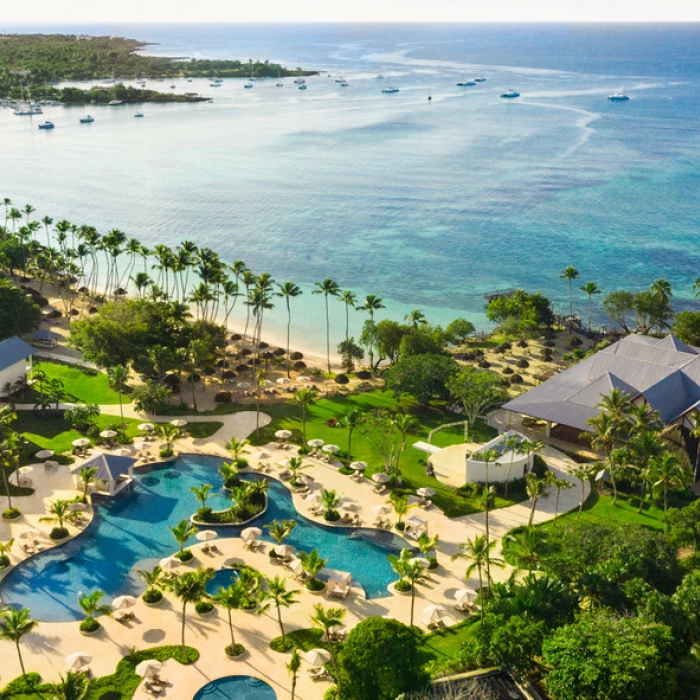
{"points": [[422, 376], [18, 314]]}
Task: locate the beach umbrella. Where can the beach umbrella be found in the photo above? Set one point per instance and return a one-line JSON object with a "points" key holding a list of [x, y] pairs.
{"points": [[331, 449], [179, 422], [23, 471], [77, 507], [108, 433], [123, 602], [314, 499], [81, 442], [148, 668], [283, 380], [250, 533], [140, 445], [358, 466], [295, 566], [432, 614], [425, 492], [382, 509], [317, 657], [206, 535], [421, 561], [145, 427], [77, 660], [243, 385], [465, 595], [44, 454], [122, 452], [263, 455], [169, 563], [283, 434], [285, 550], [303, 378], [380, 478], [316, 442]]}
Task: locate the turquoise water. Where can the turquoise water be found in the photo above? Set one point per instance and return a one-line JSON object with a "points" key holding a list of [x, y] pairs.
{"points": [[238, 687], [132, 532], [429, 205]]}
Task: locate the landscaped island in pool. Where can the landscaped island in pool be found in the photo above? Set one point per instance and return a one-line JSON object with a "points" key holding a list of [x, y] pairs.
{"points": [[238, 687], [132, 532]]}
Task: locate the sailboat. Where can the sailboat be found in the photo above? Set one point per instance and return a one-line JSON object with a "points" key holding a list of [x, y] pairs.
{"points": [[249, 84], [114, 102], [279, 82]]}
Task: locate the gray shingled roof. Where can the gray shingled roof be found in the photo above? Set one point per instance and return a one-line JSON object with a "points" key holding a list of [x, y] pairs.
{"points": [[109, 467], [12, 351], [666, 372]]}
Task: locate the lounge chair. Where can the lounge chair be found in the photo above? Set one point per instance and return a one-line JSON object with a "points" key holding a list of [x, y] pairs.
{"points": [[347, 518], [336, 589], [319, 674], [123, 616], [357, 520], [425, 503], [285, 475], [379, 488], [28, 548]]}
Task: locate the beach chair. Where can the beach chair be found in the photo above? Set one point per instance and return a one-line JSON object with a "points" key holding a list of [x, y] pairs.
{"points": [[285, 475], [122, 616], [28, 548], [319, 674], [357, 520], [425, 503], [379, 488]]}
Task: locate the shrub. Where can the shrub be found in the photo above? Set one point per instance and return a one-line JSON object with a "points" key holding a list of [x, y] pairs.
{"points": [[281, 644], [550, 344], [4, 561], [402, 586], [508, 370], [363, 374], [299, 366], [152, 596], [516, 379], [522, 364], [166, 452], [222, 397], [203, 607], [484, 364], [314, 584], [184, 556], [575, 342], [234, 649], [11, 513], [331, 516], [90, 624], [341, 379], [332, 422], [522, 344], [58, 533], [332, 693]]}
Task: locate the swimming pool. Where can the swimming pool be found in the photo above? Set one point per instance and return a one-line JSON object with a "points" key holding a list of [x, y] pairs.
{"points": [[132, 533], [238, 687]]}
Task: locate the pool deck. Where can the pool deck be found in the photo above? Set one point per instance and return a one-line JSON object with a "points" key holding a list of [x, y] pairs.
{"points": [[45, 649]]}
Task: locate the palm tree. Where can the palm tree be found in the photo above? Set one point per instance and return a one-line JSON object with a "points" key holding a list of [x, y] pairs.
{"points": [[92, 606], [182, 532], [644, 447], [372, 303], [305, 398], [329, 288], [277, 595], [293, 667], [477, 551], [617, 405], [237, 448], [73, 686], [416, 318], [534, 488], [312, 563], [329, 500], [695, 433], [668, 472], [118, 378], [427, 544], [288, 291], [230, 599], [260, 376], [87, 476], [558, 483], [201, 493], [642, 417], [401, 507], [513, 445], [487, 456], [404, 423], [351, 420], [153, 578], [584, 473], [526, 547], [570, 273], [413, 572], [661, 289], [605, 434], [348, 298], [295, 465], [190, 587], [327, 619], [590, 289], [15, 624], [60, 513], [169, 433], [280, 529]]}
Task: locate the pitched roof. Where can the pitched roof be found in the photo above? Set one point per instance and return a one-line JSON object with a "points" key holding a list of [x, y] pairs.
{"points": [[109, 467], [12, 351], [666, 372]]}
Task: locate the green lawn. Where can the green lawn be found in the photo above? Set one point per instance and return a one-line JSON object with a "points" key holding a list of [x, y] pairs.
{"points": [[412, 461], [444, 644], [80, 384]]}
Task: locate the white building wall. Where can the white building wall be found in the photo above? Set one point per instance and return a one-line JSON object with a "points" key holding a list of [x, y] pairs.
{"points": [[12, 374]]}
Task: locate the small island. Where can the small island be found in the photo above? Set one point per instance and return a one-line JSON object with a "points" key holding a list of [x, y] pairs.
{"points": [[32, 66]]}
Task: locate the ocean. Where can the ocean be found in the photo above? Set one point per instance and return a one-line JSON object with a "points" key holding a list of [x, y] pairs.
{"points": [[428, 203]]}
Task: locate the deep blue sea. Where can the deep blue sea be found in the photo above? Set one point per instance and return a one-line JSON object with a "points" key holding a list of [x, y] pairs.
{"points": [[429, 204]]}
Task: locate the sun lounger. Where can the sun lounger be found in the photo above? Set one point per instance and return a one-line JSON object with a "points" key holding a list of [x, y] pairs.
{"points": [[379, 488], [319, 674], [28, 548], [123, 615], [285, 475]]}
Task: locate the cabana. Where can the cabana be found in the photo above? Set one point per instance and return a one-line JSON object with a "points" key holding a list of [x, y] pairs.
{"points": [[44, 338], [114, 473], [415, 526]]}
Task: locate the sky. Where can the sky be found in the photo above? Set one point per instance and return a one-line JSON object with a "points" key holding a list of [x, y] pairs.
{"points": [[90, 11]]}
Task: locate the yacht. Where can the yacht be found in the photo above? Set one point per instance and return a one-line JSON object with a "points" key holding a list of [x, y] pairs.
{"points": [[114, 103], [480, 80], [618, 97], [380, 77], [189, 80], [172, 87], [390, 90], [279, 85], [344, 84], [46, 125], [138, 115], [248, 85], [299, 81], [340, 80], [466, 83], [87, 120], [303, 86], [510, 94], [217, 80], [214, 84]]}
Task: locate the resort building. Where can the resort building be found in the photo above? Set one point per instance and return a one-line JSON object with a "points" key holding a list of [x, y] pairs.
{"points": [[13, 363], [114, 474], [663, 373]]}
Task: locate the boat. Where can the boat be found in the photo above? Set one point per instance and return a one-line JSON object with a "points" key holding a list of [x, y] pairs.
{"points": [[214, 84], [87, 120], [279, 85], [380, 77], [217, 80], [46, 125], [510, 94], [390, 90], [138, 115], [344, 84], [480, 80], [172, 87], [466, 83], [340, 80], [189, 80], [302, 86], [248, 85], [114, 103], [618, 97], [299, 81]]}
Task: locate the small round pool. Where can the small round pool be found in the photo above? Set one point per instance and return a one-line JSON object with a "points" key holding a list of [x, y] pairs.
{"points": [[236, 687]]}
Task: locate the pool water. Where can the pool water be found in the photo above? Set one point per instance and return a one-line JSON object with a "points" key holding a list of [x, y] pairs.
{"points": [[132, 533], [236, 688]]}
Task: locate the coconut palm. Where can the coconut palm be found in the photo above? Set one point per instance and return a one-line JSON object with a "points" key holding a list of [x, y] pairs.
{"points": [[487, 456], [305, 398], [695, 433], [416, 318], [570, 273], [15, 624], [87, 477], [296, 465], [201, 493], [118, 378], [153, 578], [351, 420], [559, 484], [73, 686], [260, 377], [401, 507], [427, 544], [312, 563], [642, 417], [288, 291], [237, 447], [329, 500], [584, 473], [189, 587], [348, 298], [668, 472], [661, 289], [278, 596], [230, 599], [293, 667], [60, 513], [644, 447], [92, 606], [618, 406], [513, 445], [477, 551], [526, 547], [280, 529], [182, 532], [534, 488], [329, 288], [404, 423], [326, 619], [169, 433], [372, 303], [590, 289], [606, 432]]}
